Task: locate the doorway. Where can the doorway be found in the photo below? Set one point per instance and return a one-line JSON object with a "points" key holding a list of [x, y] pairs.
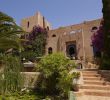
{"points": [[71, 50]]}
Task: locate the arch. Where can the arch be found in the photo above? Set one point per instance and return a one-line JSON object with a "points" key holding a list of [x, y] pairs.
{"points": [[50, 50], [71, 50], [94, 28]]}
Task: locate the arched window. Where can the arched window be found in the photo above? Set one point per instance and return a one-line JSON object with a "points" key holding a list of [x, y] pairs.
{"points": [[94, 29], [53, 35], [50, 50], [28, 24]]}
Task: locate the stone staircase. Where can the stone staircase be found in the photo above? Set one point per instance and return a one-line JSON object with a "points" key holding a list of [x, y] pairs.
{"points": [[94, 85]]}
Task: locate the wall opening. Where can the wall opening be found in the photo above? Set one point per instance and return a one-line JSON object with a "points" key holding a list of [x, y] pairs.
{"points": [[94, 29], [71, 50], [53, 35], [50, 50], [28, 24]]}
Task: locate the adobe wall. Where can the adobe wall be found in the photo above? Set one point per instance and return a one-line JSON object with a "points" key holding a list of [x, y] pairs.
{"points": [[28, 23], [80, 33], [87, 26]]}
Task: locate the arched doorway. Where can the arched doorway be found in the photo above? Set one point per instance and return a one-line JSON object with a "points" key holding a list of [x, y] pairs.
{"points": [[71, 50]]}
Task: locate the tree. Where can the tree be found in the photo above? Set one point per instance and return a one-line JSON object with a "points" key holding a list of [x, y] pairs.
{"points": [[106, 17], [10, 77], [106, 31], [98, 40], [36, 42], [9, 32]]}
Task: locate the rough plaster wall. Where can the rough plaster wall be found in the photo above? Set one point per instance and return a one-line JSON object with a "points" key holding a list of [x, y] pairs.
{"points": [[63, 35], [37, 19], [87, 26]]}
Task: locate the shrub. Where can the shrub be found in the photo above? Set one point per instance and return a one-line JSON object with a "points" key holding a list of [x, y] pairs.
{"points": [[105, 65], [28, 55], [55, 68], [10, 78]]}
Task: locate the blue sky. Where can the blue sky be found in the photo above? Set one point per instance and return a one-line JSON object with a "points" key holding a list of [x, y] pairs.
{"points": [[57, 12]]}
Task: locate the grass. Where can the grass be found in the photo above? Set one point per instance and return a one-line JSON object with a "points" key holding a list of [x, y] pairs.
{"points": [[21, 96]]}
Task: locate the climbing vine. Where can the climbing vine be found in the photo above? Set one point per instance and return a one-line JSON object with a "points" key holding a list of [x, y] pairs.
{"points": [[36, 41]]}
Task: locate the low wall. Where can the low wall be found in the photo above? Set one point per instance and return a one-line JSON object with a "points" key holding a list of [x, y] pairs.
{"points": [[105, 74], [31, 79]]}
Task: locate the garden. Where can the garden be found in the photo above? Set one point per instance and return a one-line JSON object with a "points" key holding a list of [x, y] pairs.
{"points": [[55, 81]]}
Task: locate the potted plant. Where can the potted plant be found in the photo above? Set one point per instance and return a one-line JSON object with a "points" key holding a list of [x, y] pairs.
{"points": [[75, 86]]}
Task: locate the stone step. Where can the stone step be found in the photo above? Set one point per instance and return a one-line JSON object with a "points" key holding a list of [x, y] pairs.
{"points": [[95, 87], [92, 78], [91, 75], [97, 92], [89, 72], [89, 82]]}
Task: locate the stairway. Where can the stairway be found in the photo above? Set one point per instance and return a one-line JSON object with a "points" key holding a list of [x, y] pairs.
{"points": [[94, 85]]}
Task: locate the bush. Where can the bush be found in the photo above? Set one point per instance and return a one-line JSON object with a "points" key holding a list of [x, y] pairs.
{"points": [[105, 64], [28, 55], [55, 68], [10, 78]]}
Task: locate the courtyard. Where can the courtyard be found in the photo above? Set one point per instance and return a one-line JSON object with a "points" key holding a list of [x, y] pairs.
{"points": [[62, 54]]}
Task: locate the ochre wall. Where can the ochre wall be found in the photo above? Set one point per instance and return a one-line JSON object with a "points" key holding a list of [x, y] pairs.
{"points": [[35, 20], [82, 38]]}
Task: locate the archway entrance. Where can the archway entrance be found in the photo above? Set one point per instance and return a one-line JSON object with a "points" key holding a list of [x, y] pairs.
{"points": [[71, 50]]}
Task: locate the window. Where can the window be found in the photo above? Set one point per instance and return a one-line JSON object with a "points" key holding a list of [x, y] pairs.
{"points": [[94, 29], [28, 24], [53, 35], [50, 50]]}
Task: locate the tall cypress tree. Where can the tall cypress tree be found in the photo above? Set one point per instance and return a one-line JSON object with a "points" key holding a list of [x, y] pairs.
{"points": [[106, 30], [106, 17]]}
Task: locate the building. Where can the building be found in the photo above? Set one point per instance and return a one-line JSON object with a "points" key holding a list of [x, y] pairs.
{"points": [[37, 20], [74, 40]]}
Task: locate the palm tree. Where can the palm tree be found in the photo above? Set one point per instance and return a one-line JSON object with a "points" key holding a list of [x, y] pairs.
{"points": [[9, 32]]}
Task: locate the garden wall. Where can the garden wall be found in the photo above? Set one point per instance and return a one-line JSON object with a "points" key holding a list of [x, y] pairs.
{"points": [[105, 74], [31, 79]]}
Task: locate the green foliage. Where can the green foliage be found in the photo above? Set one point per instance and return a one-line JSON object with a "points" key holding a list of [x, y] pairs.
{"points": [[105, 65], [38, 45], [9, 32], [28, 55], [55, 68], [106, 17], [36, 42], [21, 96], [56, 62], [10, 78]]}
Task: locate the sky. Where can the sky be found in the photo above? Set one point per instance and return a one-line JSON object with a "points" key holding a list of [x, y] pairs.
{"points": [[58, 12]]}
